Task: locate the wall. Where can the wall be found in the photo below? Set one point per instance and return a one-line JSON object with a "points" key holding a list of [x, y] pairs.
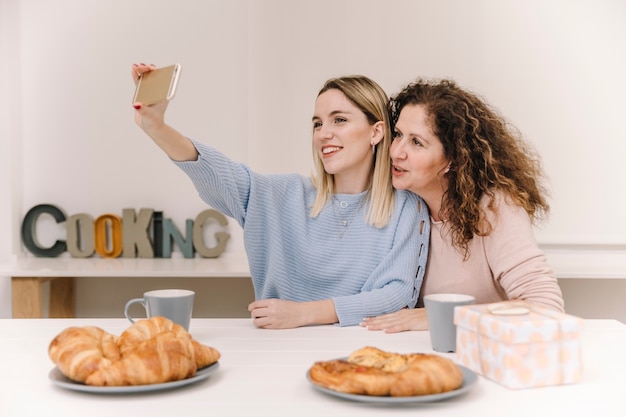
{"points": [[251, 70], [10, 97]]}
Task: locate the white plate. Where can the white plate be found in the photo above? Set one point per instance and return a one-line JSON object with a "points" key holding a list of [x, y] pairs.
{"points": [[57, 378], [469, 378]]}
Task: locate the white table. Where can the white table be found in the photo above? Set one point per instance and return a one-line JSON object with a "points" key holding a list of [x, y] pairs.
{"points": [[262, 373]]}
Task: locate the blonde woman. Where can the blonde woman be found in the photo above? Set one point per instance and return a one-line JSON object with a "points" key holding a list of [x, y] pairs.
{"points": [[333, 248]]}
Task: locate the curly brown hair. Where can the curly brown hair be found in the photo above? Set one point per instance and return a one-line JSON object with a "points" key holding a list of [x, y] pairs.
{"points": [[486, 153]]}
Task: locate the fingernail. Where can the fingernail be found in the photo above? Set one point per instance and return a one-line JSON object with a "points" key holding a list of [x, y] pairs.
{"points": [[137, 106]]}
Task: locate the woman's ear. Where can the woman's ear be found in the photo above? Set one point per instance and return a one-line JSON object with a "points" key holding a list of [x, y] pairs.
{"points": [[378, 132], [445, 171]]}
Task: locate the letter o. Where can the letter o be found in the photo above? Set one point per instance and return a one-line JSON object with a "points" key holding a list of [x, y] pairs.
{"points": [[102, 241]]}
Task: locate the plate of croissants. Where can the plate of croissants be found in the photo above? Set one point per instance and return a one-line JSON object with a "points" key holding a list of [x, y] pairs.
{"points": [[152, 354], [374, 375]]}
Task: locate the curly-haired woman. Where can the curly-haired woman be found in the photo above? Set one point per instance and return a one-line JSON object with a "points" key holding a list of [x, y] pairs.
{"points": [[482, 184]]}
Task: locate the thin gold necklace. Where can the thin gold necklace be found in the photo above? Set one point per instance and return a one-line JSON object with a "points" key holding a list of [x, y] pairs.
{"points": [[345, 222]]}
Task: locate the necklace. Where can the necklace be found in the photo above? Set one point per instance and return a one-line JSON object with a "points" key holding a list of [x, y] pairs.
{"points": [[345, 221]]}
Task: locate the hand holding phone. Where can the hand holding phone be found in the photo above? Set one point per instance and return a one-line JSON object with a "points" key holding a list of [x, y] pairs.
{"points": [[157, 85]]}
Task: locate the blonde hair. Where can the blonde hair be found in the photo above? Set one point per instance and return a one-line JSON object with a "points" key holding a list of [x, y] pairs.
{"points": [[372, 100]]}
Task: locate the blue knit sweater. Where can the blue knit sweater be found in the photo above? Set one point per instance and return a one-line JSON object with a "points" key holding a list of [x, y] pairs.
{"points": [[292, 256]]}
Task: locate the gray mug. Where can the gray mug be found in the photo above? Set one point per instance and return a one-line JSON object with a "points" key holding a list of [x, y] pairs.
{"points": [[440, 316], [176, 305]]}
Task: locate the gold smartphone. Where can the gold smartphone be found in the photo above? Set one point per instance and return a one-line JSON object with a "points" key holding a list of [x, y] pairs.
{"points": [[157, 85]]}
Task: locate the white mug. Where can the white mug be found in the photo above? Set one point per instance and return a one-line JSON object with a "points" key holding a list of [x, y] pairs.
{"points": [[176, 305]]}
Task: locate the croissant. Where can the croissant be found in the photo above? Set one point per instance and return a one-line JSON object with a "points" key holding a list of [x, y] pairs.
{"points": [[162, 358], [204, 355], [150, 351], [371, 371], [80, 351], [143, 330]]}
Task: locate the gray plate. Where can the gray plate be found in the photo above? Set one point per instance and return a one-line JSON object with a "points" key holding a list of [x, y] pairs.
{"points": [[469, 379], [57, 378]]}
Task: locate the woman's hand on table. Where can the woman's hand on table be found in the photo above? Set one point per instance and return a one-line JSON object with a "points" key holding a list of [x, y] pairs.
{"points": [[400, 321], [274, 313]]}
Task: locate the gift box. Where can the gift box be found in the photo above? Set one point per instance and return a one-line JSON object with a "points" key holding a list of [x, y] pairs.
{"points": [[519, 345]]}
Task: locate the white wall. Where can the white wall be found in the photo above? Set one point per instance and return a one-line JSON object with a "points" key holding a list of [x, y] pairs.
{"points": [[251, 70], [8, 27]]}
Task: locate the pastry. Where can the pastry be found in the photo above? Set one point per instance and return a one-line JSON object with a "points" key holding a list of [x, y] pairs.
{"points": [[162, 358], [150, 351], [80, 351], [371, 371]]}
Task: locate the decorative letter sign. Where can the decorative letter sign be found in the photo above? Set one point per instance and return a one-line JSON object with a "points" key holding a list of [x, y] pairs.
{"points": [[108, 229], [29, 236], [146, 234], [135, 233], [81, 241]]}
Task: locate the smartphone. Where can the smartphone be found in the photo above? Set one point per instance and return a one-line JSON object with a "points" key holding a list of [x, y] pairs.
{"points": [[157, 85]]}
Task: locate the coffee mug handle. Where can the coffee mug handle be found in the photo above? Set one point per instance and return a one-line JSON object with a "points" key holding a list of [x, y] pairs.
{"points": [[129, 303]]}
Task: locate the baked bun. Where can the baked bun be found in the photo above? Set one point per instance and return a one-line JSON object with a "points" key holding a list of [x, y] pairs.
{"points": [[371, 371], [80, 351], [150, 351]]}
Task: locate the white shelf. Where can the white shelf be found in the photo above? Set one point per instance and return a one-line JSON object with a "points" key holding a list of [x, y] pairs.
{"points": [[567, 262], [222, 267]]}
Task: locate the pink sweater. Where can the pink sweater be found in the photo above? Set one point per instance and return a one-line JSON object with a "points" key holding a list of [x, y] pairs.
{"points": [[507, 264]]}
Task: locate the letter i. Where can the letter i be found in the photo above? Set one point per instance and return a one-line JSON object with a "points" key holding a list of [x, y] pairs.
{"points": [[157, 231]]}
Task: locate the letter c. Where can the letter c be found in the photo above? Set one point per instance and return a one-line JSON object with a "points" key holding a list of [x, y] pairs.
{"points": [[29, 234]]}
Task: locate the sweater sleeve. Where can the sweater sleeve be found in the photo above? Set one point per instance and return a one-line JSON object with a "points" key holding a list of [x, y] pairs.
{"points": [[396, 281], [517, 262], [221, 183]]}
